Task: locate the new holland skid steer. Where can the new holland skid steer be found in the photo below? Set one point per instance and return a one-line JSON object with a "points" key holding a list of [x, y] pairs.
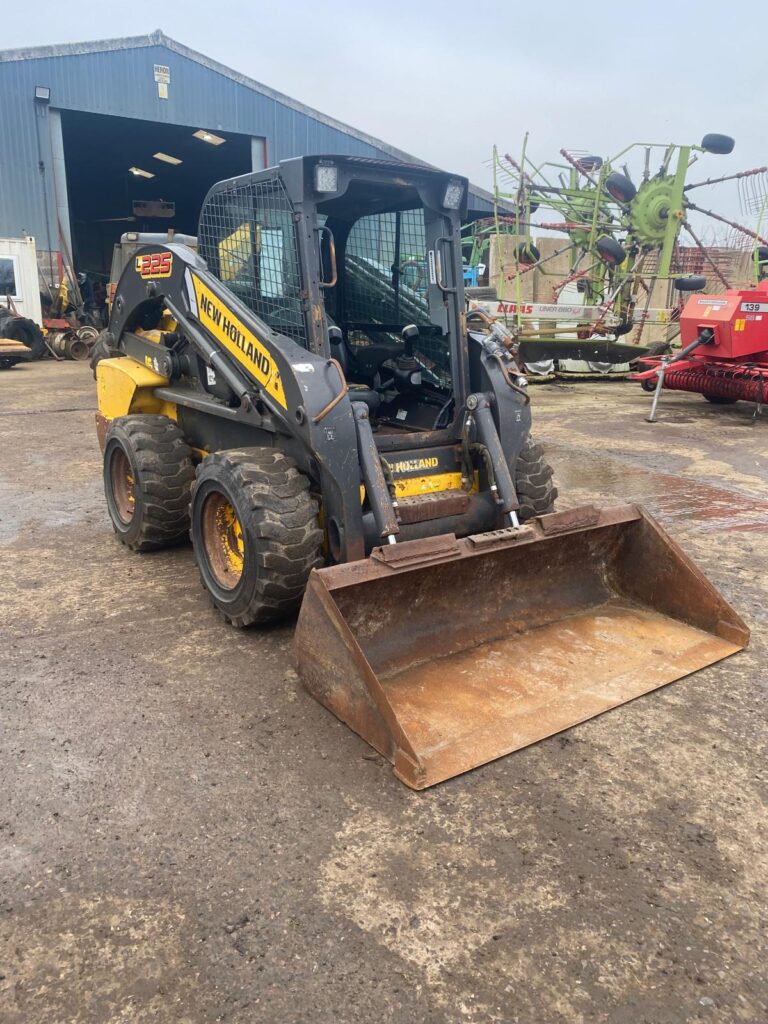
{"points": [[303, 396]]}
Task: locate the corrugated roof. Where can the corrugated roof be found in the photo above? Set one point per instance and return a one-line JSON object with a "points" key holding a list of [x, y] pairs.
{"points": [[159, 38]]}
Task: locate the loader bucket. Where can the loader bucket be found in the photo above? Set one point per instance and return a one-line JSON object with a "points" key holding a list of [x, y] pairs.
{"points": [[445, 654]]}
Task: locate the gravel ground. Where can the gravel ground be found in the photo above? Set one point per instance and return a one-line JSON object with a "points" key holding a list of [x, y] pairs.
{"points": [[185, 836]]}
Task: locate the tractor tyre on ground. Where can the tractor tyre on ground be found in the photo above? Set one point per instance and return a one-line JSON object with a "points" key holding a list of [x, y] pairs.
{"points": [[148, 474], [255, 533], [536, 490], [21, 328]]}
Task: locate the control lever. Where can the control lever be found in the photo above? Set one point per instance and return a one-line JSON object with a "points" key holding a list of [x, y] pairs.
{"points": [[407, 368]]}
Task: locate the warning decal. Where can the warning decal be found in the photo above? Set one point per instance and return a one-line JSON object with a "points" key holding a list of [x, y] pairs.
{"points": [[237, 339]]}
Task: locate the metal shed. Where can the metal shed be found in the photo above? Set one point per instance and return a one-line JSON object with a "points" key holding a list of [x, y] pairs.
{"points": [[103, 137]]}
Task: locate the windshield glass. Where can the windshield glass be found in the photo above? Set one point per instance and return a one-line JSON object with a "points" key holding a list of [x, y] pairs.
{"points": [[385, 284]]}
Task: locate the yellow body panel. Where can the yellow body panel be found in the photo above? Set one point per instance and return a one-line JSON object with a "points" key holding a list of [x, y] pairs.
{"points": [[156, 337], [124, 386], [407, 487], [239, 341]]}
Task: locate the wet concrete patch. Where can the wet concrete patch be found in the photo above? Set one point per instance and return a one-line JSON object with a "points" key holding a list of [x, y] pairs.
{"points": [[186, 836], [667, 496]]}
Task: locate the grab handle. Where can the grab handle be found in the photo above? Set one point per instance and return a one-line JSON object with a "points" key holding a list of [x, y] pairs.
{"points": [[439, 266], [332, 250]]}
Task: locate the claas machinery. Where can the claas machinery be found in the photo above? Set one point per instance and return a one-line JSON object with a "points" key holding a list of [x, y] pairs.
{"points": [[303, 397]]}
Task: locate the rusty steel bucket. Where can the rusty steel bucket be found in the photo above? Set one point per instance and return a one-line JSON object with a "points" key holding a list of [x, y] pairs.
{"points": [[445, 654]]}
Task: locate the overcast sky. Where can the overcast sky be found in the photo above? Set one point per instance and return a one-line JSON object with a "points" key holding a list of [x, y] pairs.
{"points": [[446, 80]]}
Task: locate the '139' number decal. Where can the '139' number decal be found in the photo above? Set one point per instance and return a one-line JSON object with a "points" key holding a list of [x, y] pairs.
{"points": [[154, 264]]}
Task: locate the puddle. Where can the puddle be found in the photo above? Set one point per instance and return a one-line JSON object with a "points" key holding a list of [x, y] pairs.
{"points": [[666, 497]]}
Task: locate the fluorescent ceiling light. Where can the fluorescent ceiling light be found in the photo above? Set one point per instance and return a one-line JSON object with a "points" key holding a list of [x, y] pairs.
{"points": [[139, 173], [167, 159], [204, 136]]}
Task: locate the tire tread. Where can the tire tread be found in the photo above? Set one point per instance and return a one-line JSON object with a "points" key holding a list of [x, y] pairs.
{"points": [[166, 472], [283, 516], [536, 490]]}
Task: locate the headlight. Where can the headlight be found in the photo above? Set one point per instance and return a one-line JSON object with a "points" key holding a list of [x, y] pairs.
{"points": [[454, 193], [326, 178]]}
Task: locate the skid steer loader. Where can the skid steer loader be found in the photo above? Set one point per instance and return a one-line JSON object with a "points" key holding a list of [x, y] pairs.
{"points": [[303, 396]]}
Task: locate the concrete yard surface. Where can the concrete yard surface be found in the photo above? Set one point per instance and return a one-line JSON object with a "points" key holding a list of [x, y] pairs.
{"points": [[186, 836]]}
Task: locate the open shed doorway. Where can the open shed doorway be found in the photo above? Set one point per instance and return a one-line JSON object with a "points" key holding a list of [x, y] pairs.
{"points": [[107, 197]]}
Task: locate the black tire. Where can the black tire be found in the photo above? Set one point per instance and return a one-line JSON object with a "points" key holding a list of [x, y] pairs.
{"points": [[589, 163], [255, 534], [104, 347], [720, 144], [620, 188], [649, 384], [695, 283], [7, 364], [486, 293], [148, 474], [720, 400], [536, 491], [20, 328], [610, 251], [528, 254]]}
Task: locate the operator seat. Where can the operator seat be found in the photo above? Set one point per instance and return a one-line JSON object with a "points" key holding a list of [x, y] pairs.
{"points": [[341, 353]]}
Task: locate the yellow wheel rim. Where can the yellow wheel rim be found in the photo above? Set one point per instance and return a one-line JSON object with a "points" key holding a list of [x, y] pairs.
{"points": [[223, 540], [121, 477]]}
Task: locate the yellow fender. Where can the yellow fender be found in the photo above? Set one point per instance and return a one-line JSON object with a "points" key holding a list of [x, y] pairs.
{"points": [[124, 386]]}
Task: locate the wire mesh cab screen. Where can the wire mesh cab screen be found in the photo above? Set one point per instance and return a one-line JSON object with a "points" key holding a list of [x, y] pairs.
{"points": [[384, 273], [386, 269], [248, 239]]}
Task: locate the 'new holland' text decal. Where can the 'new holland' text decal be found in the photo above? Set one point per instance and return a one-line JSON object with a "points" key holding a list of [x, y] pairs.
{"points": [[237, 339]]}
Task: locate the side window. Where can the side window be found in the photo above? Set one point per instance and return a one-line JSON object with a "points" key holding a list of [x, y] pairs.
{"points": [[248, 239], [8, 282]]}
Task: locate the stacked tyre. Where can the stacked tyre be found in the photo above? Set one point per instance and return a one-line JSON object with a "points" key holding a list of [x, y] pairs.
{"points": [[20, 328]]}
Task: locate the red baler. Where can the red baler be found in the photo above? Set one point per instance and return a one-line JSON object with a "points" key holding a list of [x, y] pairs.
{"points": [[724, 354]]}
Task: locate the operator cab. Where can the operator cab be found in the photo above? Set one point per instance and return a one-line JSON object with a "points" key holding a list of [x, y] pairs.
{"points": [[351, 261]]}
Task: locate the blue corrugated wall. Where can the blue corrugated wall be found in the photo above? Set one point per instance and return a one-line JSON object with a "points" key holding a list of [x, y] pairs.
{"points": [[121, 82]]}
